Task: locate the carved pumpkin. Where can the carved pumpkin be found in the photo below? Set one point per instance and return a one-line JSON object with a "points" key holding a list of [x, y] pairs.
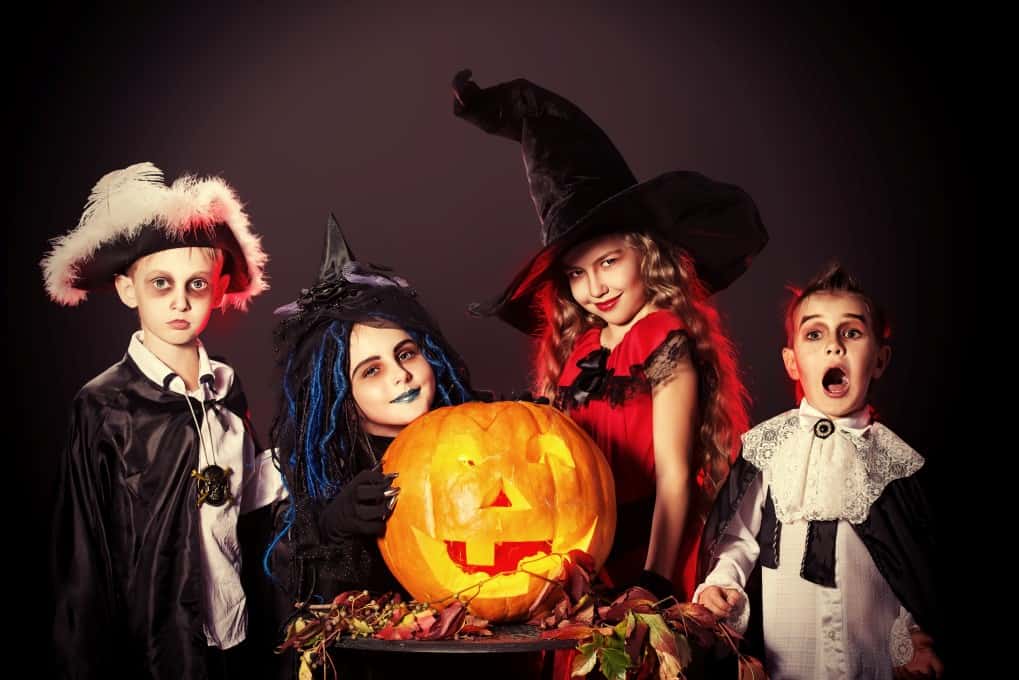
{"points": [[486, 486]]}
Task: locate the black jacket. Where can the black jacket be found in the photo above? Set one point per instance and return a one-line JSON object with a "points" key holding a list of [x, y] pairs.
{"points": [[126, 560]]}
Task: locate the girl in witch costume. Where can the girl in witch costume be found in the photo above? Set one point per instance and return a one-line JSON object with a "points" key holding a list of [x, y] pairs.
{"points": [[830, 504], [162, 491], [361, 359], [627, 342]]}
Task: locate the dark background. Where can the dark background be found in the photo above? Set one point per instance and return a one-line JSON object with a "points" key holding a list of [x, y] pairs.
{"points": [[841, 123]]}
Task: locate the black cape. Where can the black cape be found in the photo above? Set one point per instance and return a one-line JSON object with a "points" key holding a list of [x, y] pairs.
{"points": [[898, 533], [126, 561]]}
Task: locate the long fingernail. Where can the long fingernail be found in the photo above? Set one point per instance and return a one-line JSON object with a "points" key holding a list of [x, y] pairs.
{"points": [[393, 475], [392, 503], [389, 493]]}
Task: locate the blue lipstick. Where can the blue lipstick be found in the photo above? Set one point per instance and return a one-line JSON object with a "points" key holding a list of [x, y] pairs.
{"points": [[407, 397]]}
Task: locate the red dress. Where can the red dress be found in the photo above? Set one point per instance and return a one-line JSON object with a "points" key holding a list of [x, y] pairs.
{"points": [[609, 395]]}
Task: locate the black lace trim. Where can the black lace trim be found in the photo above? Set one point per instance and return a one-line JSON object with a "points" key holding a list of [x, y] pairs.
{"points": [[657, 370], [660, 367]]}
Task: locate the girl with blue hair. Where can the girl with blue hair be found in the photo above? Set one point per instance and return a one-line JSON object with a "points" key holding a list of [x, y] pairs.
{"points": [[361, 359]]}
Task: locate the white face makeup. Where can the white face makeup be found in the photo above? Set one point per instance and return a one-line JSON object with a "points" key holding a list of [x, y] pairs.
{"points": [[175, 292], [391, 381], [835, 353]]}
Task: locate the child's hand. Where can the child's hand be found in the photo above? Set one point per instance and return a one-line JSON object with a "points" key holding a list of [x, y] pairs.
{"points": [[925, 662], [719, 601], [362, 506]]}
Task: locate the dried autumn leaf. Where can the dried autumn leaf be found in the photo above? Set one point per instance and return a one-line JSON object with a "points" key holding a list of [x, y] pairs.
{"points": [[692, 611], [637, 593], [344, 598], [693, 623], [424, 621], [547, 599], [585, 660], [671, 659], [635, 641], [574, 632], [618, 610], [584, 613], [450, 620], [751, 669], [398, 632], [582, 560], [578, 582]]}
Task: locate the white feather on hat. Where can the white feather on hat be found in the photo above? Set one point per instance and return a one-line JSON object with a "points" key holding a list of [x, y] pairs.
{"points": [[124, 202]]}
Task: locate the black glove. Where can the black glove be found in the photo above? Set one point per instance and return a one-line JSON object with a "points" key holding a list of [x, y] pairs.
{"points": [[362, 506], [657, 584]]}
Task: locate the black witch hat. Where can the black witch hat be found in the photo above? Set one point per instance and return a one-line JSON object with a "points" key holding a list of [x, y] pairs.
{"points": [[349, 290], [582, 188]]}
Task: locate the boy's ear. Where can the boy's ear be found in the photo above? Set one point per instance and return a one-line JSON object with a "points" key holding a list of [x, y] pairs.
{"points": [[789, 359], [884, 355], [126, 291], [221, 286]]}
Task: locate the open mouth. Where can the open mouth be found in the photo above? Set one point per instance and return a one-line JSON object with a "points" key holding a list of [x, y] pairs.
{"points": [[407, 397], [501, 557], [835, 383]]}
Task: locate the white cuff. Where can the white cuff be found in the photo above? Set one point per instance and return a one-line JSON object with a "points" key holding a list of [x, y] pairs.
{"points": [[900, 642]]}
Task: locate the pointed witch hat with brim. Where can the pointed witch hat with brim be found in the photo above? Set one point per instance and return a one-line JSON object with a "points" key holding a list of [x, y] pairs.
{"points": [[350, 290], [582, 188]]}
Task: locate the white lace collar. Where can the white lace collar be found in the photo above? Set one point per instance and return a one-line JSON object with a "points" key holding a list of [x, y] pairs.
{"points": [[824, 469]]}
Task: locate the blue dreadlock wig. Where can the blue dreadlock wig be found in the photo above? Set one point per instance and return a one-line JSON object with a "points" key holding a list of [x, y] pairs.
{"points": [[317, 430], [317, 426]]}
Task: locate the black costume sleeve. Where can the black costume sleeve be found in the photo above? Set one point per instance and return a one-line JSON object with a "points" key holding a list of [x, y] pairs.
{"points": [[899, 533], [89, 606]]}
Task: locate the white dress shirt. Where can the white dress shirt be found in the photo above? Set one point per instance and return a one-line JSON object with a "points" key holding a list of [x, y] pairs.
{"points": [[254, 483], [856, 629]]}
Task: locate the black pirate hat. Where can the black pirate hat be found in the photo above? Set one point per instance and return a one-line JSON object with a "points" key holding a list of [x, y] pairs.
{"points": [[582, 188], [132, 213]]}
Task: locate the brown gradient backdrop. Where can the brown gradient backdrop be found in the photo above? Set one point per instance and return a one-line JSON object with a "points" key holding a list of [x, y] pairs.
{"points": [[836, 123]]}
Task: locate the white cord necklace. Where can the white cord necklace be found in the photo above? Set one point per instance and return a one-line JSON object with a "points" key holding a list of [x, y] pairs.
{"points": [[213, 485]]}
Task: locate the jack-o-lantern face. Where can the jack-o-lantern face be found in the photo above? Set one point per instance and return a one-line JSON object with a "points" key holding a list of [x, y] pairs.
{"points": [[494, 488]]}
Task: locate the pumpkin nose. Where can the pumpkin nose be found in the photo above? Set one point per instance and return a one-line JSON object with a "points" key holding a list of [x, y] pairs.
{"points": [[499, 500], [505, 495]]}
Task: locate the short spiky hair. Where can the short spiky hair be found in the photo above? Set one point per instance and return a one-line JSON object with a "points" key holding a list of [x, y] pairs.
{"points": [[835, 279]]}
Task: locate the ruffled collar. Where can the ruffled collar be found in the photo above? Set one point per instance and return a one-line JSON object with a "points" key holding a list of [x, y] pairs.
{"points": [[824, 469]]}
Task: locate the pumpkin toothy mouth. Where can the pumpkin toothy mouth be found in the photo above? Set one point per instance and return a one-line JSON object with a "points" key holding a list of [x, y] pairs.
{"points": [[500, 557]]}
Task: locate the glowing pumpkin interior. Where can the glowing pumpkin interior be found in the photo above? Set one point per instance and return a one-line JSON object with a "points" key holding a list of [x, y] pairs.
{"points": [[489, 488]]}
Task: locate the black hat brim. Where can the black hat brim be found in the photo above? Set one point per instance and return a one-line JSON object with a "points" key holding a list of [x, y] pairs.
{"points": [[717, 224], [117, 256]]}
